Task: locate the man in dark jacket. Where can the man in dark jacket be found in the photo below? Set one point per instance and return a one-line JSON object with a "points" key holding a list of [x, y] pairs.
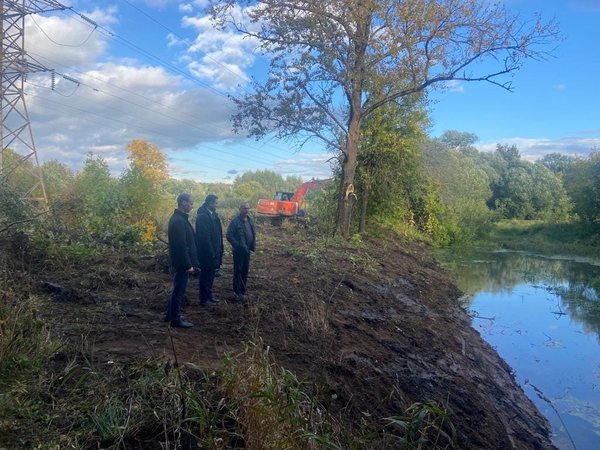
{"points": [[242, 237], [184, 257], [209, 239]]}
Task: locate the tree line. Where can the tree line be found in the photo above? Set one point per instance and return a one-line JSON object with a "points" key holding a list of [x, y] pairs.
{"points": [[440, 188]]}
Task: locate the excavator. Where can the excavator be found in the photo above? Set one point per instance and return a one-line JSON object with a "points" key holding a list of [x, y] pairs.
{"points": [[288, 204]]}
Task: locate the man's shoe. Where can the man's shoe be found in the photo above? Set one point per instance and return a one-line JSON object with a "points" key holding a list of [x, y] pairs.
{"points": [[208, 303], [181, 324]]}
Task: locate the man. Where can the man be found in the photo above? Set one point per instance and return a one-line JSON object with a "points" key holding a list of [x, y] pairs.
{"points": [[209, 240], [242, 237], [184, 257]]}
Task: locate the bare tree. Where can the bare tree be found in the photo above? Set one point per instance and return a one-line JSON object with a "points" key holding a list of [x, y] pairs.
{"points": [[332, 63]]}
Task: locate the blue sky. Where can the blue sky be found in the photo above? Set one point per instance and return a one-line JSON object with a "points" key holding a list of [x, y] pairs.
{"points": [[156, 70]]}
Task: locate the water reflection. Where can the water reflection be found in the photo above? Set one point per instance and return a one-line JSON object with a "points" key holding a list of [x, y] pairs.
{"points": [[543, 317]]}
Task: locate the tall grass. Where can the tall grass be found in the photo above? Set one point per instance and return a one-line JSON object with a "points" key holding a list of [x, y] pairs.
{"points": [[581, 239]]}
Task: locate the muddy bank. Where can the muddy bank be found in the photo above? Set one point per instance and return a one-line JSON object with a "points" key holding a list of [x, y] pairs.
{"points": [[376, 328]]}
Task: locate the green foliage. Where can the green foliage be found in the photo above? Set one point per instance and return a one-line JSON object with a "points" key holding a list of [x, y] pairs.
{"points": [[463, 189], [577, 238], [251, 186], [390, 170], [58, 180], [458, 139], [582, 182], [12, 208], [525, 190], [322, 205], [19, 174], [60, 249], [558, 163]]}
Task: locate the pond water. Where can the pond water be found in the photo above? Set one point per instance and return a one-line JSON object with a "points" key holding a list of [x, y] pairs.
{"points": [[542, 315]]}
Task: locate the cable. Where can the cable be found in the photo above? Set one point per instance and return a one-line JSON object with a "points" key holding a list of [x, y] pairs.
{"points": [[133, 125], [152, 101], [112, 35], [31, 16]]}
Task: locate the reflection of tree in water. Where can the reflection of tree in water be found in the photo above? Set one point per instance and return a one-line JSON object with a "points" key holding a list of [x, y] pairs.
{"points": [[503, 271], [576, 283], [581, 302]]}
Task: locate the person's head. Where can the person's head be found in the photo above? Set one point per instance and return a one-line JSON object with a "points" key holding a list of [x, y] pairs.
{"points": [[211, 202], [244, 209], [185, 202]]}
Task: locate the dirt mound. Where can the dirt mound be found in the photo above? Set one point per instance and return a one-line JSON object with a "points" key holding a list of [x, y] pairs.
{"points": [[377, 327]]}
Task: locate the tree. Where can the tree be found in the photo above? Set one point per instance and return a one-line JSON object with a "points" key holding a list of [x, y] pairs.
{"points": [[463, 187], [325, 58], [58, 179], [458, 139], [149, 159], [389, 160], [143, 184], [582, 182], [526, 190], [558, 163]]}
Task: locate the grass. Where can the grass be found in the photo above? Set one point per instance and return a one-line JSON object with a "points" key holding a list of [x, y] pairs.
{"points": [[54, 397], [561, 238]]}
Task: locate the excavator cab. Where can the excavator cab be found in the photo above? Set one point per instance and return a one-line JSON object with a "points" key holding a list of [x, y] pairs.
{"points": [[283, 196]]}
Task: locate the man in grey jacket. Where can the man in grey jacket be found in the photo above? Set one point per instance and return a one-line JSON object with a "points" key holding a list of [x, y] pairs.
{"points": [[242, 237]]}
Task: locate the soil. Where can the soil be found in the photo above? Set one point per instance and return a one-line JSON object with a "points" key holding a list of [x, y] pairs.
{"points": [[378, 324]]}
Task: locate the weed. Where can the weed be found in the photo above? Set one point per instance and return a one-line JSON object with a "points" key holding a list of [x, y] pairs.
{"points": [[425, 425], [272, 408]]}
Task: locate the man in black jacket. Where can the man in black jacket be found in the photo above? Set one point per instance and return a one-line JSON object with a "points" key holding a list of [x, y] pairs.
{"points": [[242, 237], [184, 257], [209, 239]]}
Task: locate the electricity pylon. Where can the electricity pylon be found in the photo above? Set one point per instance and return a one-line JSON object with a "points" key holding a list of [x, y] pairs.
{"points": [[16, 135]]}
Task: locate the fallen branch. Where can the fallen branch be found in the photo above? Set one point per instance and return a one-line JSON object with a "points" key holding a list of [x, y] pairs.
{"points": [[541, 395]]}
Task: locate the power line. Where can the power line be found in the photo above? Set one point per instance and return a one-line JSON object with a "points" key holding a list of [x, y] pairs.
{"points": [[61, 44], [152, 101], [112, 35], [137, 126]]}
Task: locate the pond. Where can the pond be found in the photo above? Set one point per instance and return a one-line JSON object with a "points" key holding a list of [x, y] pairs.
{"points": [[542, 315]]}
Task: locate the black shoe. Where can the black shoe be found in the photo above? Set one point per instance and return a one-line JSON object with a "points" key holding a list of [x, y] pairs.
{"points": [[167, 319], [181, 324], [208, 303]]}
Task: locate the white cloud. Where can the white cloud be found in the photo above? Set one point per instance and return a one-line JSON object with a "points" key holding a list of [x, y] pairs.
{"points": [[532, 149], [186, 8], [112, 103], [59, 42], [306, 165], [454, 86], [224, 55]]}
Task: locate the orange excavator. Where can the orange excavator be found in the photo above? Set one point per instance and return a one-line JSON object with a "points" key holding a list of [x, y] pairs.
{"points": [[288, 204]]}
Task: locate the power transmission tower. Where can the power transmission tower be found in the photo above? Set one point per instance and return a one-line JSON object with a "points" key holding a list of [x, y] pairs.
{"points": [[16, 136]]}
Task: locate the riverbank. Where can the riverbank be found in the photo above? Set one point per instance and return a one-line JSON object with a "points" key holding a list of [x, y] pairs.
{"points": [[337, 345], [545, 238]]}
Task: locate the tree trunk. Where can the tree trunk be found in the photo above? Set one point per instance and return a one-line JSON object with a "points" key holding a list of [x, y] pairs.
{"points": [[347, 196], [364, 201]]}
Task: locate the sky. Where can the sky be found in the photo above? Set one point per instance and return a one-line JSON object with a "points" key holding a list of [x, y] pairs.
{"points": [[156, 70]]}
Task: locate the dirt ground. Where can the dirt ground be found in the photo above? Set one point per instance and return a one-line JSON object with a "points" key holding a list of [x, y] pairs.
{"points": [[379, 326]]}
